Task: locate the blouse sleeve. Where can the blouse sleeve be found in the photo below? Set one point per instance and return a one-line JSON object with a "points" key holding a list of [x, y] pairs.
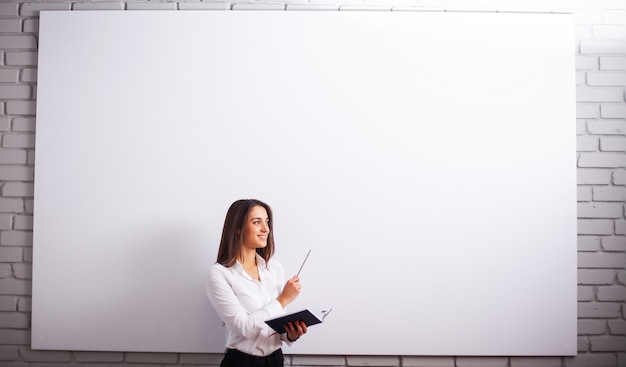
{"points": [[230, 310]]}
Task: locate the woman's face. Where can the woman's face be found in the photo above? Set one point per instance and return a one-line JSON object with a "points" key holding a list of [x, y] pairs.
{"points": [[256, 228]]}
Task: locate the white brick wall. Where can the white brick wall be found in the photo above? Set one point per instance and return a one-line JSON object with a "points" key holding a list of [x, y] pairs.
{"points": [[601, 127]]}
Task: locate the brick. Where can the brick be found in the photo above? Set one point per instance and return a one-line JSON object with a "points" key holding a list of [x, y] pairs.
{"points": [[373, 360], [310, 360], [607, 343], [620, 227], [14, 320], [614, 16], [591, 176], [8, 303], [606, 78], [609, 193], [30, 355], [607, 127], [10, 25], [20, 58], [599, 310], [99, 357], [8, 10], [583, 193], [33, 9], [535, 362], [98, 6], [613, 143], [621, 276], [19, 189], [592, 327], [16, 173], [482, 362], [28, 254], [9, 75], [18, 42], [10, 254], [16, 91], [596, 276], [16, 238], [28, 75], [597, 210], [602, 47], [204, 6], [587, 16], [23, 222], [6, 221], [151, 357], [602, 160], [613, 63], [617, 327], [614, 243], [585, 293], [18, 141], [601, 260], [11, 205], [9, 353], [604, 94], [595, 226], [589, 243], [29, 203], [258, 6], [17, 287], [581, 79], [611, 31], [613, 111], [612, 293], [587, 143], [321, 7], [151, 6], [591, 360], [409, 361], [12, 156], [587, 110], [23, 124], [5, 271], [619, 177], [31, 26], [24, 304], [583, 344], [582, 31], [21, 107], [581, 125], [23, 271]]}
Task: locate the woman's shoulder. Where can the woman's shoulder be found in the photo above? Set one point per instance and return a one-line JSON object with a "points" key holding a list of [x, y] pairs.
{"points": [[274, 265]]}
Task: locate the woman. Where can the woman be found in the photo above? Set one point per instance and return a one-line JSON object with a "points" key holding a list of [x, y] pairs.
{"points": [[246, 288]]}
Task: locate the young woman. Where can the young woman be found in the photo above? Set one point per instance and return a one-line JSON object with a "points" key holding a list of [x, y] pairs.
{"points": [[246, 288]]}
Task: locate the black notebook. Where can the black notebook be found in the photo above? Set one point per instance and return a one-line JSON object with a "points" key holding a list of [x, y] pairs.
{"points": [[306, 316]]}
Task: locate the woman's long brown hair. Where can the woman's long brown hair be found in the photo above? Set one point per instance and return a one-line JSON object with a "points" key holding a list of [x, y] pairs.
{"points": [[232, 233]]}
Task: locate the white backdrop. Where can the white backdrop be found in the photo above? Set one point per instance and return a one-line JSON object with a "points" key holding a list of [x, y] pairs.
{"points": [[427, 159]]}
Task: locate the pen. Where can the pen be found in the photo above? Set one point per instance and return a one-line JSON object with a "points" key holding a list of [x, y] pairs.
{"points": [[307, 256]]}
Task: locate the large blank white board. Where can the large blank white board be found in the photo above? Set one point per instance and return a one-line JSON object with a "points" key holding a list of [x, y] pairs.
{"points": [[427, 159]]}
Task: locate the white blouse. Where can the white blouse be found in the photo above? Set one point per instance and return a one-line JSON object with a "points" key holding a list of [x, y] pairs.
{"points": [[244, 303]]}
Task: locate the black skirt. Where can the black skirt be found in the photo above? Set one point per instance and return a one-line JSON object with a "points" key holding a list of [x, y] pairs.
{"points": [[235, 358]]}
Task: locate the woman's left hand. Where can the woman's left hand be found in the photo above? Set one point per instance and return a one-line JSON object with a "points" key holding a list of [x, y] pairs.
{"points": [[295, 330]]}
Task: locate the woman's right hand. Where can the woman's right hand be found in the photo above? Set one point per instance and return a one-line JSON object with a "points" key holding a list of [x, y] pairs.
{"points": [[291, 290]]}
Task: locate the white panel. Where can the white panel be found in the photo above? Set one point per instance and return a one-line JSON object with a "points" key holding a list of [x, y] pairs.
{"points": [[427, 159]]}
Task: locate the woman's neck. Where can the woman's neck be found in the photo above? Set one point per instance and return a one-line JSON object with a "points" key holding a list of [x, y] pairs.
{"points": [[247, 257]]}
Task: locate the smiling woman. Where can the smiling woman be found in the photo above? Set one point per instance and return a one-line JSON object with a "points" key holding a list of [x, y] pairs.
{"points": [[246, 288]]}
